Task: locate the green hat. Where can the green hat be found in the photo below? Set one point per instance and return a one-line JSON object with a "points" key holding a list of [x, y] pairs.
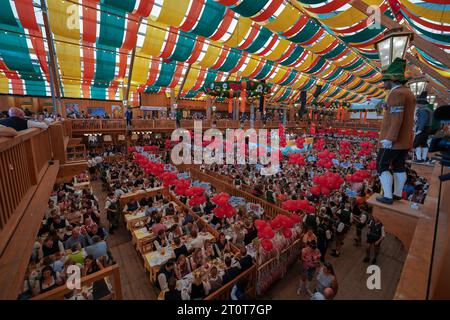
{"points": [[395, 71]]}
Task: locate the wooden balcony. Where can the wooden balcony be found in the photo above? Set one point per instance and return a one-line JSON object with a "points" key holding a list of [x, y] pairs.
{"points": [[80, 126], [425, 271]]}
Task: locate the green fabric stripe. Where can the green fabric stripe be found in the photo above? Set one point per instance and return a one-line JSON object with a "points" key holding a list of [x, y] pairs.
{"points": [[231, 60], [15, 54], [357, 64], [35, 87], [308, 85], [371, 56], [98, 92], [125, 5], [152, 89], [357, 85], [371, 73], [285, 95], [265, 70], [289, 79], [105, 65], [7, 17], [334, 75], [211, 17], [210, 76], [166, 74], [260, 41], [362, 36], [344, 96], [184, 47], [112, 26], [334, 52], [306, 33], [294, 56], [191, 94], [335, 92], [445, 37], [248, 8], [317, 66]]}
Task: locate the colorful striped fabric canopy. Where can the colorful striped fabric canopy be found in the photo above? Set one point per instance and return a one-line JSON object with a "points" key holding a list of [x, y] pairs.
{"points": [[183, 44]]}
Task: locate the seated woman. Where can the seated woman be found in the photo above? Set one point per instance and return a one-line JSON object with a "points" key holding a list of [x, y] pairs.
{"points": [[161, 239], [197, 259], [238, 235], [174, 232], [49, 280], [250, 231], [172, 294], [208, 250], [179, 248], [91, 265], [182, 267], [221, 245], [146, 201], [214, 279], [198, 289]]}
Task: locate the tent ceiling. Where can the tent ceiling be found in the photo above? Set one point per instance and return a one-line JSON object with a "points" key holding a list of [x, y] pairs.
{"points": [[294, 45]]}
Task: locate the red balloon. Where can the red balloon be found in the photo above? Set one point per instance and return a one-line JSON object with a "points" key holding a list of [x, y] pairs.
{"points": [[268, 233], [311, 209], [260, 224], [287, 233], [315, 190], [325, 191], [267, 244]]}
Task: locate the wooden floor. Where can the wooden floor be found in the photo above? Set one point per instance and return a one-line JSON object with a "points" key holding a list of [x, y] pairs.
{"points": [[349, 268]]}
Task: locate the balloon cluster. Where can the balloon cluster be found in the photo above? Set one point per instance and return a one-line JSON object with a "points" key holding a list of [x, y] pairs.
{"points": [[154, 168], [344, 147], [281, 223], [169, 179], [319, 145], [366, 148], [197, 196], [326, 183], [372, 165], [151, 148], [298, 205], [325, 158], [282, 134], [223, 209], [299, 142], [131, 149], [181, 187], [296, 158], [358, 176]]}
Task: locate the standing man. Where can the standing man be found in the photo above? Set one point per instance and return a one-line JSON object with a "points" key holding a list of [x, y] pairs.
{"points": [[375, 235], [396, 134], [129, 116], [422, 123]]}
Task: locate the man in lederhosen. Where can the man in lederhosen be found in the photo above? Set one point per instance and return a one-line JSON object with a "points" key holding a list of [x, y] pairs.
{"points": [[396, 135], [375, 235], [423, 118]]}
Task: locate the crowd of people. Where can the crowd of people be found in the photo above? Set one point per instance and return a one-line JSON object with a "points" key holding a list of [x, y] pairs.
{"points": [[71, 235]]}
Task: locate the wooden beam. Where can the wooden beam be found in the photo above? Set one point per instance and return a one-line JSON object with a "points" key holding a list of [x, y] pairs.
{"points": [[54, 80], [183, 82], [424, 45], [130, 70]]}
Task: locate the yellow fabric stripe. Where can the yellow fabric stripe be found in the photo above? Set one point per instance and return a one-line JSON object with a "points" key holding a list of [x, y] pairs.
{"points": [[241, 30], [72, 88], [285, 20], [300, 82], [154, 40], [307, 63], [251, 66], [173, 12], [140, 71], [322, 44], [280, 74], [279, 50], [64, 18], [4, 84], [211, 55], [434, 15], [191, 78], [69, 59], [346, 60], [363, 87]]}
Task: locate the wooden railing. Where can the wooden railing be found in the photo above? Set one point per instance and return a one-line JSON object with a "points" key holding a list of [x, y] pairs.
{"points": [[27, 175], [106, 273], [90, 125], [224, 292], [270, 210]]}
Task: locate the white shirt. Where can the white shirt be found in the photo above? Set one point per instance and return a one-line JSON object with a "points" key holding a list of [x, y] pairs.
{"points": [[37, 124]]}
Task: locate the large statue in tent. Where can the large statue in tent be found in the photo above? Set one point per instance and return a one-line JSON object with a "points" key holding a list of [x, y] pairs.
{"points": [[396, 135], [422, 123]]}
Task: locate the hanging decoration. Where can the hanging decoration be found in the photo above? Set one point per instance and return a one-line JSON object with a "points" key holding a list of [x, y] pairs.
{"points": [[223, 89]]}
